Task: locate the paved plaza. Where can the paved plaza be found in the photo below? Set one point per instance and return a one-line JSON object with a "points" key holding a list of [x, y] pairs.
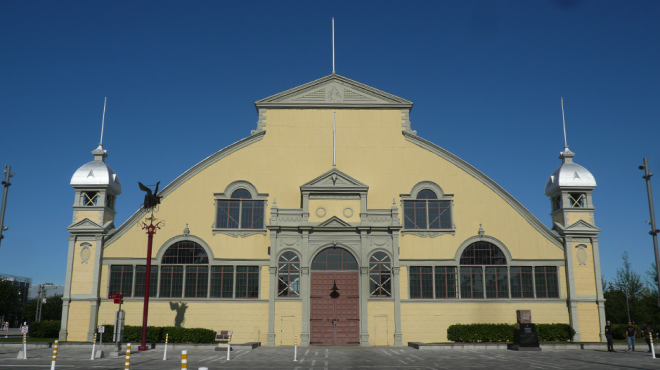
{"points": [[323, 358]]}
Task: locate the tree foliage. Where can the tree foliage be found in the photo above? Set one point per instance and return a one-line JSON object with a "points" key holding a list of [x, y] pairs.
{"points": [[8, 297]]}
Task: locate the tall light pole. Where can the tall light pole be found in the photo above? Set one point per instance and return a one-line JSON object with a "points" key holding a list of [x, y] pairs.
{"points": [[654, 232], [6, 184]]}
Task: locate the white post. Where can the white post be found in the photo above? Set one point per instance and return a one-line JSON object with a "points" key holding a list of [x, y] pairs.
{"points": [[101, 342], [24, 347], [184, 359], [295, 348], [93, 347], [228, 347], [52, 364], [652, 348], [165, 353]]}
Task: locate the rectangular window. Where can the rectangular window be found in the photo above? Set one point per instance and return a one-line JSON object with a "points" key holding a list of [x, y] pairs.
{"points": [[228, 214], [247, 282], [171, 281], [472, 284], [439, 214], [121, 280], [414, 213], [197, 278], [141, 279], [421, 282], [222, 281], [497, 282], [522, 285], [546, 282], [445, 282]]}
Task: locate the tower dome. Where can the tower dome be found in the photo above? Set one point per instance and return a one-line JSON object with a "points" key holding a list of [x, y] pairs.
{"points": [[97, 173], [569, 174]]}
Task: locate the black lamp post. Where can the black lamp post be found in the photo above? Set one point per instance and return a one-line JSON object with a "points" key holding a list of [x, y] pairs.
{"points": [[654, 232]]}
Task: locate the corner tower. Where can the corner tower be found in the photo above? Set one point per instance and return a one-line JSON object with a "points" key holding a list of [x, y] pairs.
{"points": [[96, 188], [570, 188]]}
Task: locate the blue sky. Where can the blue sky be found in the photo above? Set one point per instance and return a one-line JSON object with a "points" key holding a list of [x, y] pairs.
{"points": [[181, 78]]}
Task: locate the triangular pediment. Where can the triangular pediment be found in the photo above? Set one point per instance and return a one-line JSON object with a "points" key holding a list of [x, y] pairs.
{"points": [[333, 91], [582, 225], [334, 179], [334, 221], [85, 225]]}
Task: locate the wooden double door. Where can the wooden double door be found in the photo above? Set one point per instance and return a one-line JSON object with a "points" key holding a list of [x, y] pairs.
{"points": [[335, 309]]}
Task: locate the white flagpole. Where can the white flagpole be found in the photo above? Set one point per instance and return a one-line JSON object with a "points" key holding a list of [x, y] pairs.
{"points": [[333, 44], [563, 118], [103, 121]]}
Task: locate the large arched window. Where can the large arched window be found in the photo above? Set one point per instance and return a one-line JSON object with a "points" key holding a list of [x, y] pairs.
{"points": [[334, 258], [483, 260], [427, 212], [380, 275], [185, 256], [288, 275]]}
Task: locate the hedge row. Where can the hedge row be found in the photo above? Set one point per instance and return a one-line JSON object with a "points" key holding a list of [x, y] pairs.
{"points": [[44, 329], [504, 332], [156, 334]]}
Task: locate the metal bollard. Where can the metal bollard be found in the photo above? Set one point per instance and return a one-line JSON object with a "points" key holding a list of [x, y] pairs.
{"points": [[229, 347], [165, 353], [295, 348], [127, 364], [24, 346], [52, 365], [184, 360], [93, 347]]}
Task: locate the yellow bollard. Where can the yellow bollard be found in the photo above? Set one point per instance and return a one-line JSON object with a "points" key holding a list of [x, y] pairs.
{"points": [[127, 365], [184, 360], [228, 347], [295, 348], [93, 347], [165, 352], [52, 365], [652, 348], [24, 346]]}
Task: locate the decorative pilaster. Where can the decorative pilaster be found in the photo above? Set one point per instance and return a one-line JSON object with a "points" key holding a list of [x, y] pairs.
{"points": [[305, 288], [364, 306], [67, 289], [398, 337], [599, 289], [270, 341], [572, 305]]}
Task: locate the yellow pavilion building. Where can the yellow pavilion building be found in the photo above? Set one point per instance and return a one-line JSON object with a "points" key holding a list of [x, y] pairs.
{"points": [[370, 236]]}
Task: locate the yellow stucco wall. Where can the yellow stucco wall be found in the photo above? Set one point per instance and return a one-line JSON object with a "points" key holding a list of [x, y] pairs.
{"points": [[92, 215], [403, 282], [288, 322], [573, 217], [428, 321], [82, 276], [588, 322], [334, 208], [585, 276], [381, 320], [78, 322], [245, 318]]}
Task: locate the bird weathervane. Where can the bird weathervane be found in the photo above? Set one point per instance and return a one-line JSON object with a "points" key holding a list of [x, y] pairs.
{"points": [[151, 200]]}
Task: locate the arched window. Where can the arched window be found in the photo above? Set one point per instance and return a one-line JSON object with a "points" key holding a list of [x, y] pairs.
{"points": [[288, 271], [427, 212], [334, 258], [483, 257], [380, 275], [185, 256], [240, 211]]}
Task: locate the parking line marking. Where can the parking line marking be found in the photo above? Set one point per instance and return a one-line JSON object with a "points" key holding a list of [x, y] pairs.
{"points": [[306, 352], [419, 358], [403, 362], [395, 352], [313, 362], [386, 353]]}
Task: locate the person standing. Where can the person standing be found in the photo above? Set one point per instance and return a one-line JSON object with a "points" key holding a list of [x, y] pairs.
{"points": [[631, 332], [646, 332], [608, 335]]}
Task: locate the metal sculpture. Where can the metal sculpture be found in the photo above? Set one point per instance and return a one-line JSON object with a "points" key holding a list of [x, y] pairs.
{"points": [[151, 200]]}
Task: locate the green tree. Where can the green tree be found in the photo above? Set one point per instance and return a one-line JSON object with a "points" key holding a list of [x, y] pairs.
{"points": [[30, 310], [8, 297], [640, 297], [52, 309]]}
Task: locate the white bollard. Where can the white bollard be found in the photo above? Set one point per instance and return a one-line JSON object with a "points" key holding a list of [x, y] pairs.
{"points": [[184, 360], [165, 353], [127, 363], [295, 348], [24, 346], [52, 364], [93, 347], [228, 347], [652, 348]]}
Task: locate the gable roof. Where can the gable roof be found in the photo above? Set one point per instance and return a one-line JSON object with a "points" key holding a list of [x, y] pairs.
{"points": [[333, 91]]}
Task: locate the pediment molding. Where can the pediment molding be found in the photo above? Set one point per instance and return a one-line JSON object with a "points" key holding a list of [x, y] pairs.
{"points": [[333, 91], [334, 221], [86, 225], [334, 180], [579, 227]]}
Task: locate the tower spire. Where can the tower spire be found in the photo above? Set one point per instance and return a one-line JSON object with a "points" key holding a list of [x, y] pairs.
{"points": [[99, 153]]}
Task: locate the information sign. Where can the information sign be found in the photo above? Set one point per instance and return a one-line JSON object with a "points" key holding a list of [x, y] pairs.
{"points": [[101, 329]]}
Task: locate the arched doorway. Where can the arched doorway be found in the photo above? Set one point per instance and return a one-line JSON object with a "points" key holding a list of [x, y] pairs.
{"points": [[335, 305]]}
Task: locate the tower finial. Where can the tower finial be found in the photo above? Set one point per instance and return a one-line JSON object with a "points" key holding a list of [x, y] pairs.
{"points": [[564, 119], [103, 120], [333, 45]]}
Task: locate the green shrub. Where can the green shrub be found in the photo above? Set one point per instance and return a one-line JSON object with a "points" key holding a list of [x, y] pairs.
{"points": [[44, 329], [619, 331], [156, 334], [504, 332]]}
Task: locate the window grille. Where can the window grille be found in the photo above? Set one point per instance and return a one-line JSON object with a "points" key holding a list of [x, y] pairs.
{"points": [[141, 279], [445, 282], [196, 281], [247, 282], [240, 212], [89, 198], [427, 212], [288, 275], [171, 281], [185, 252], [522, 285], [497, 282], [421, 282], [483, 253], [576, 200], [334, 259], [222, 281], [380, 275], [121, 280], [472, 283], [546, 282]]}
